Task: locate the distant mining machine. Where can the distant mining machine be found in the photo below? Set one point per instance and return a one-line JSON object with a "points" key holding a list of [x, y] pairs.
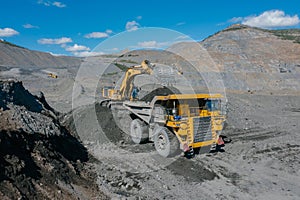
{"points": [[52, 75], [174, 122]]}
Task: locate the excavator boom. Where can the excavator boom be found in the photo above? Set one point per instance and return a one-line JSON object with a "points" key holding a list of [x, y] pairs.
{"points": [[126, 87]]}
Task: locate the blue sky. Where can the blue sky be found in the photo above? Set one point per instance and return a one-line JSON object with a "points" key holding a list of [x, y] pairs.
{"points": [[77, 27]]}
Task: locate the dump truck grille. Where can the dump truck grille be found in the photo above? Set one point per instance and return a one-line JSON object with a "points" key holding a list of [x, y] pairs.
{"points": [[202, 129]]}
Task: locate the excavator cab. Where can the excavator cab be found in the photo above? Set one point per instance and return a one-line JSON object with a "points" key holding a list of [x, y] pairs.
{"points": [[135, 93], [108, 91]]}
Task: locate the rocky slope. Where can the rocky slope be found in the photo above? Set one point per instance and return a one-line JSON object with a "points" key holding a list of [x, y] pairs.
{"points": [[32, 68], [39, 157], [12, 56], [256, 59]]}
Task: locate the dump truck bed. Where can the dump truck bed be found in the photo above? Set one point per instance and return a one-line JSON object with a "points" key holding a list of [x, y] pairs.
{"points": [[139, 108]]}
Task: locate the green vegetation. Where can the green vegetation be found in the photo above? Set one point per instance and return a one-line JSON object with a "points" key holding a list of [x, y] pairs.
{"points": [[121, 66], [11, 44], [111, 74], [128, 55], [230, 28], [109, 56], [128, 61], [235, 27], [287, 34]]}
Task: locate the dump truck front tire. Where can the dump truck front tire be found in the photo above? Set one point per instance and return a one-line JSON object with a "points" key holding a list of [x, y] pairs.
{"points": [[166, 143]]}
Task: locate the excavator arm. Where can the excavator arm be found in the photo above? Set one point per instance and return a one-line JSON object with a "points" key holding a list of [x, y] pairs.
{"points": [[127, 83], [126, 86]]}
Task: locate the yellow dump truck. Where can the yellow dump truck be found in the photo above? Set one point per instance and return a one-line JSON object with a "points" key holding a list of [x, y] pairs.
{"points": [[177, 122], [174, 122]]}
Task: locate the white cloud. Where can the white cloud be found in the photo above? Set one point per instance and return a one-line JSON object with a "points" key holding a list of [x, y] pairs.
{"points": [[152, 44], [61, 41], [8, 32], [132, 26], [97, 35], [29, 26], [45, 3], [268, 19], [87, 53], [77, 47], [183, 38], [236, 19], [108, 31], [180, 23], [59, 4], [52, 3], [55, 54], [271, 19]]}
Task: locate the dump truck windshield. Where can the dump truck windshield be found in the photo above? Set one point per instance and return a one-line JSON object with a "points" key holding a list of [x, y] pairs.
{"points": [[212, 105]]}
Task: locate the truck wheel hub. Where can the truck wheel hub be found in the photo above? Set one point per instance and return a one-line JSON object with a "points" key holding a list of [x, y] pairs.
{"points": [[162, 141]]}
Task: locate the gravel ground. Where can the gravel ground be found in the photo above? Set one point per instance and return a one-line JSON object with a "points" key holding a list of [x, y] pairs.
{"points": [[262, 161]]}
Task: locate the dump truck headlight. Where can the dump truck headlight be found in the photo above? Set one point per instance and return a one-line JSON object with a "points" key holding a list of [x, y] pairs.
{"points": [[183, 126]]}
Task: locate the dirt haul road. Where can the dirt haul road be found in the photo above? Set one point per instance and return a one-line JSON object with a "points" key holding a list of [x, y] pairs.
{"points": [[262, 161]]}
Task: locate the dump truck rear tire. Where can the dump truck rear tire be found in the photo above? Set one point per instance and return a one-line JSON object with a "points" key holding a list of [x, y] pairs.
{"points": [[166, 143], [138, 131]]}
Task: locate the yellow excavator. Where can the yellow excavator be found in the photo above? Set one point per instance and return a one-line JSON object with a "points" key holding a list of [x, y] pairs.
{"points": [[126, 88], [174, 122]]}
